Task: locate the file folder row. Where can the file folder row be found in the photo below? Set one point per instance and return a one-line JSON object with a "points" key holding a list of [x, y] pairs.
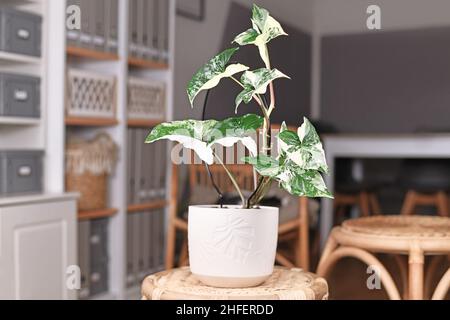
{"points": [[145, 245], [99, 25], [149, 29], [146, 166]]}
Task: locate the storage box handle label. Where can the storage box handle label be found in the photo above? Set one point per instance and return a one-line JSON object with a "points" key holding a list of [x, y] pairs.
{"points": [[20, 95], [24, 171], [23, 34]]}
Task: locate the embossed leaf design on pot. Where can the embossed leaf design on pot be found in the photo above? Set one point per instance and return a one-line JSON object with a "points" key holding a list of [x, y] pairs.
{"points": [[234, 239]]}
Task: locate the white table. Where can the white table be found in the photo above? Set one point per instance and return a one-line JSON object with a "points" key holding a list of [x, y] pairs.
{"points": [[376, 146]]}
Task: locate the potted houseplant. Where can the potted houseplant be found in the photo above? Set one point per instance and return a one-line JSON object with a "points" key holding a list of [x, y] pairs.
{"points": [[231, 245]]}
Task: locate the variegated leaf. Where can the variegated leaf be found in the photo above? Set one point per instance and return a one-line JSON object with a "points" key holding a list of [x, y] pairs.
{"points": [[212, 72], [256, 82]]}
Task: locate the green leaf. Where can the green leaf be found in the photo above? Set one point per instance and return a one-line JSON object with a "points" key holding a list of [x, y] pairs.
{"points": [[190, 133], [291, 177], [259, 17], [246, 37], [265, 28], [256, 82], [200, 136], [308, 183], [212, 72], [264, 165], [232, 130], [304, 147]]}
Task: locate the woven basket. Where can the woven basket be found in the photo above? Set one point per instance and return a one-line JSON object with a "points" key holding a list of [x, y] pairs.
{"points": [[88, 164]]}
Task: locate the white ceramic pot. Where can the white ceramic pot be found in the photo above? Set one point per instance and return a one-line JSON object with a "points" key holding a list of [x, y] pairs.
{"points": [[230, 246]]}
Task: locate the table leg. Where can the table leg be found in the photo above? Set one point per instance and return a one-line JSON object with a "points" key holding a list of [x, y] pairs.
{"points": [[416, 261]]}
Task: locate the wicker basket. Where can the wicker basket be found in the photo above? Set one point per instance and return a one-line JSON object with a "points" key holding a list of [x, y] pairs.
{"points": [[146, 99], [90, 94], [88, 164]]}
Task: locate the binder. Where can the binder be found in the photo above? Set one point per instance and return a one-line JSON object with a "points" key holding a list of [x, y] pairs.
{"points": [[140, 27], [133, 27], [131, 278], [166, 31], [130, 165], [146, 242], [148, 170], [159, 239], [85, 35], [113, 39], [162, 20], [137, 257], [84, 257], [73, 36], [156, 18], [139, 191], [146, 167], [99, 24], [150, 52], [162, 177], [153, 244]]}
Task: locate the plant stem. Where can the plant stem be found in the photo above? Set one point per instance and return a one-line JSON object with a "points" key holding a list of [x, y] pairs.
{"points": [[233, 180], [237, 81]]}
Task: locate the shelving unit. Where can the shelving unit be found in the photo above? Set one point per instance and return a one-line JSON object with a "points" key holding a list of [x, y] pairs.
{"points": [[52, 210], [121, 66]]}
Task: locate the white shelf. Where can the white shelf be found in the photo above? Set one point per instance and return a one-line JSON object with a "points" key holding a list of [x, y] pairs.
{"points": [[20, 121], [36, 198], [8, 57]]}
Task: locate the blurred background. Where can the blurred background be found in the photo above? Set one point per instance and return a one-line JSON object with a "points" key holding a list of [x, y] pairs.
{"points": [[83, 82]]}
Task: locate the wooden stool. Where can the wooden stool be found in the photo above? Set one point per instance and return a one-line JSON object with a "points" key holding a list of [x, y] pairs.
{"points": [[414, 199], [414, 236], [366, 201], [284, 284]]}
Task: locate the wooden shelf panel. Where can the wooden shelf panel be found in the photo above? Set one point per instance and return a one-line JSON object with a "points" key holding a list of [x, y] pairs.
{"points": [[157, 204], [91, 54], [95, 214], [92, 122], [147, 64], [144, 122]]}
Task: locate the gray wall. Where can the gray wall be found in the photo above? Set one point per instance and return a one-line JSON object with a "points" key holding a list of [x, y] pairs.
{"points": [[291, 55], [397, 81]]}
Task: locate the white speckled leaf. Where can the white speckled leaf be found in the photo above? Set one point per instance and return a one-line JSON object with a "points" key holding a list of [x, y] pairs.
{"points": [[212, 72]]}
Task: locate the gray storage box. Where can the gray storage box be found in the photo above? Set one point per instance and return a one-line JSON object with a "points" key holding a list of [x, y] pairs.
{"points": [[19, 96], [20, 172], [99, 279], [20, 32], [99, 241], [84, 257]]}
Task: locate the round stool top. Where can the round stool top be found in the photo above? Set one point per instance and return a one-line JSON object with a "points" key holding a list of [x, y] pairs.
{"points": [[397, 233], [284, 284], [401, 226]]}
